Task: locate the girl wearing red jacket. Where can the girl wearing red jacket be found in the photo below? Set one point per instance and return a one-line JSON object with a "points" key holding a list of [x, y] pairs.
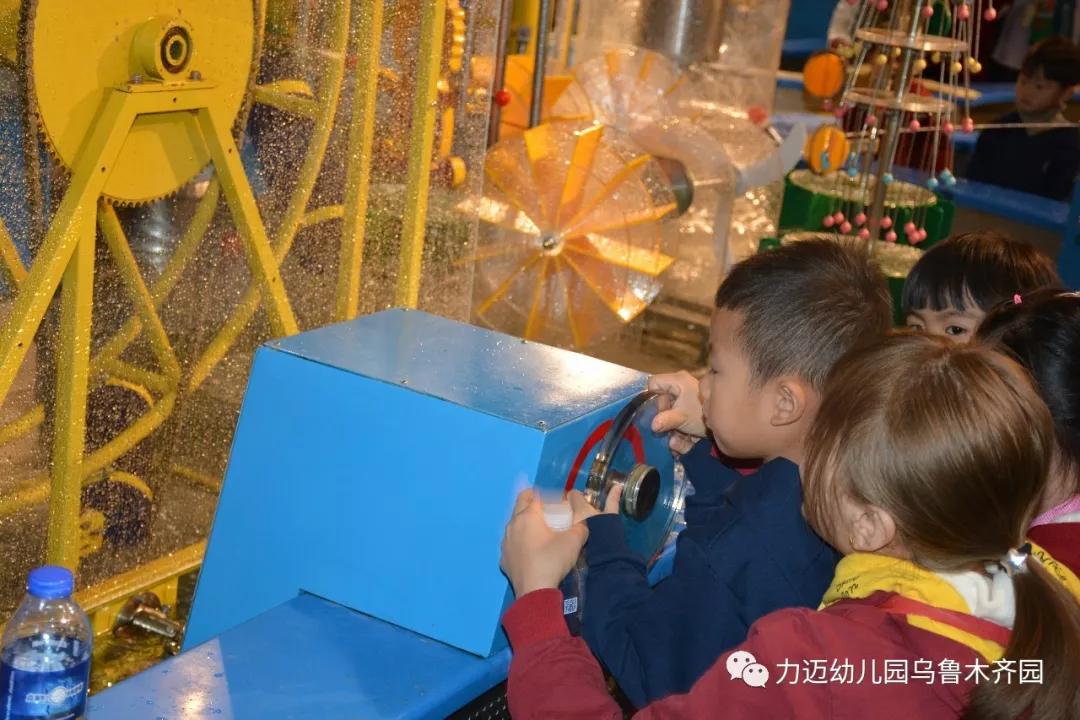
{"points": [[1042, 331], [939, 609]]}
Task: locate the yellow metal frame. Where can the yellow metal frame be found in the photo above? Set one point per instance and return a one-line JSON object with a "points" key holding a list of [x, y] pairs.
{"points": [[421, 145], [297, 211], [67, 254], [358, 177]]}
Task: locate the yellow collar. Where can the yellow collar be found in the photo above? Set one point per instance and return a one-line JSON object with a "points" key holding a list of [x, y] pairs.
{"points": [[860, 575]]}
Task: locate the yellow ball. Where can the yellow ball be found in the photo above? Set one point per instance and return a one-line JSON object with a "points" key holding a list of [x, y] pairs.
{"points": [[936, 57], [920, 65], [896, 52], [881, 59], [976, 67], [957, 67]]}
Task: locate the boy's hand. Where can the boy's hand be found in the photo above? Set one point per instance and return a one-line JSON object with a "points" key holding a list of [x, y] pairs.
{"points": [[680, 410], [533, 555], [583, 509]]}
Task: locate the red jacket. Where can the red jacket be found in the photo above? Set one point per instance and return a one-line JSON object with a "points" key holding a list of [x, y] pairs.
{"points": [[553, 675]]}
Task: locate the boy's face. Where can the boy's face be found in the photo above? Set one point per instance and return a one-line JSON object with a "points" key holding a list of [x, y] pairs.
{"points": [[956, 324], [1035, 93], [737, 410]]}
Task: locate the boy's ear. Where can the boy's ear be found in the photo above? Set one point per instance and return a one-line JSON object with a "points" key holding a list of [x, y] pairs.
{"points": [[1066, 94], [872, 530], [792, 397]]}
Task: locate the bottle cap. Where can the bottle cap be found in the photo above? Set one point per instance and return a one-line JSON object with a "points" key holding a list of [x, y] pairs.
{"points": [[558, 516], [50, 582]]}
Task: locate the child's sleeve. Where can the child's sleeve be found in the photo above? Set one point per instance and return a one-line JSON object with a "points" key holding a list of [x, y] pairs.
{"points": [[553, 676], [655, 641], [1061, 172]]}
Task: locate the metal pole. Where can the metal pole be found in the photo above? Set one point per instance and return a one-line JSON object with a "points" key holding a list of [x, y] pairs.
{"points": [[543, 27], [499, 74], [892, 127]]}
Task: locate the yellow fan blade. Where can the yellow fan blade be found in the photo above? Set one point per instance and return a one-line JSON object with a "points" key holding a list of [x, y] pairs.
{"points": [[609, 187], [505, 285], [622, 255], [646, 65], [495, 176], [603, 225], [499, 214], [535, 317], [624, 304], [581, 166], [612, 61]]}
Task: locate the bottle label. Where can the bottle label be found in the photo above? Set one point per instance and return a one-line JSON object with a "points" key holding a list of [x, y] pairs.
{"points": [[32, 695]]}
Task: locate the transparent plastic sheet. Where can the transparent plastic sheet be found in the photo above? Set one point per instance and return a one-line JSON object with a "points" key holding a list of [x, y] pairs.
{"points": [[574, 239], [296, 155]]}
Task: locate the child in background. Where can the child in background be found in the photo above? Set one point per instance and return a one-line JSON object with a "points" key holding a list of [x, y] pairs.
{"points": [[1040, 161], [783, 318], [1042, 331], [936, 573], [957, 281]]}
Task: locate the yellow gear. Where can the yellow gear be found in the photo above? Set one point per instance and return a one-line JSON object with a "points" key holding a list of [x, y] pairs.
{"points": [[72, 57]]}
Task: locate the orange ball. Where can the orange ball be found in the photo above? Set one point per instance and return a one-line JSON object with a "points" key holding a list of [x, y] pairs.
{"points": [[823, 75]]}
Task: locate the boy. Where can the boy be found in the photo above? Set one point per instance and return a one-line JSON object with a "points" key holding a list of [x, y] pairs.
{"points": [[954, 285], [783, 319], [1040, 161]]}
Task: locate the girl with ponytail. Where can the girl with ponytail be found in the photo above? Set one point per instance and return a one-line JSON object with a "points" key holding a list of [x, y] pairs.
{"points": [[1042, 331], [926, 465]]}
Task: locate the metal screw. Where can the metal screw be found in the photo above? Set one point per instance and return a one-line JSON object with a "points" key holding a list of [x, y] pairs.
{"points": [[542, 425], [404, 382], [136, 79], [196, 75]]}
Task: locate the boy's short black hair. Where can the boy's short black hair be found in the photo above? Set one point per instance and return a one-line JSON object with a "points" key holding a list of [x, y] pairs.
{"points": [[806, 304], [1058, 58], [983, 268]]}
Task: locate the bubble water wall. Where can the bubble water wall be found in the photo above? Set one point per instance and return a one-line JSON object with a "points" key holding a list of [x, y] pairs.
{"points": [[359, 125]]}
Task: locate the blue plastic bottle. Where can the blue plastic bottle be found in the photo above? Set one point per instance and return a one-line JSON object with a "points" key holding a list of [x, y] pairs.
{"points": [[45, 660]]}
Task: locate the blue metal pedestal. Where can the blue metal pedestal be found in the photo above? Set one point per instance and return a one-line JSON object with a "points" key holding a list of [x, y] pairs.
{"points": [[305, 659]]}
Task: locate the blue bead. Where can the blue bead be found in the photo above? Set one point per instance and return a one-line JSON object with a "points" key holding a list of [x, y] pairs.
{"points": [[887, 178], [852, 172], [932, 183]]}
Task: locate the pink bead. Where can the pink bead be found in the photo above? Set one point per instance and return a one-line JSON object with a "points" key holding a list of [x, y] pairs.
{"points": [[860, 219], [969, 125], [827, 104], [990, 15], [915, 125], [883, 5], [886, 223], [928, 11], [948, 128], [864, 234], [840, 112], [845, 228], [922, 234], [828, 221], [838, 217], [963, 12], [871, 120], [890, 236], [909, 228]]}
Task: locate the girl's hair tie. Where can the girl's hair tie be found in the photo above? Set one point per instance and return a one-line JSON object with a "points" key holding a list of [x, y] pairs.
{"points": [[1017, 300], [1015, 561]]}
